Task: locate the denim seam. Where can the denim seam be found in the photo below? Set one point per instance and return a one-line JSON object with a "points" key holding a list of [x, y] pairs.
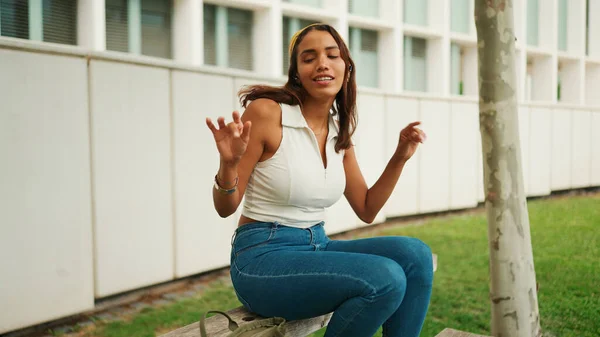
{"points": [[367, 284], [348, 322], [308, 274]]}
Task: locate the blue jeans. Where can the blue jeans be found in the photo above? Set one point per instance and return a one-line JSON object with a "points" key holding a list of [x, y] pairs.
{"points": [[300, 273]]}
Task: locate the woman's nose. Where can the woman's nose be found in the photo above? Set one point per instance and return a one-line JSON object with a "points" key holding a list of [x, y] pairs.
{"points": [[323, 64]]}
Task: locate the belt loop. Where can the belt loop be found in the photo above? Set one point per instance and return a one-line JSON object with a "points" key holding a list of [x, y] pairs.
{"points": [[233, 237]]}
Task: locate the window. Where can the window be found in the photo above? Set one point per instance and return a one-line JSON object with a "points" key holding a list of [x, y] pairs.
{"points": [[156, 28], [364, 8], [14, 18], [529, 80], [587, 27], [415, 12], [456, 69], [460, 16], [312, 3], [139, 27], [290, 27], [48, 20], [562, 24], [117, 37], [239, 29], [60, 21], [533, 14], [210, 48], [228, 37], [415, 64], [363, 48]]}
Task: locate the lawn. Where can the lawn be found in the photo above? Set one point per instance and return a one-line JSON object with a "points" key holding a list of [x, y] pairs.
{"points": [[566, 247]]}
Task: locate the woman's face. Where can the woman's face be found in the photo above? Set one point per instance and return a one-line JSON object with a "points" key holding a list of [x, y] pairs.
{"points": [[321, 68]]}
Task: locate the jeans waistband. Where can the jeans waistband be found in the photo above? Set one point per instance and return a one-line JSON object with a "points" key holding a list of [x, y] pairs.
{"points": [[257, 224], [270, 225]]}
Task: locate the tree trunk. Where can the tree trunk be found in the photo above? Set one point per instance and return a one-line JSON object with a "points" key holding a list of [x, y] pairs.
{"points": [[513, 286]]}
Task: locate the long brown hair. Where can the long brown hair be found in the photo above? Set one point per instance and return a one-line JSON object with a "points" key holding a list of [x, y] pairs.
{"points": [[292, 93]]}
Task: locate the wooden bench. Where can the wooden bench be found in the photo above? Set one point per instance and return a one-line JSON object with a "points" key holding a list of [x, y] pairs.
{"points": [[216, 326]]}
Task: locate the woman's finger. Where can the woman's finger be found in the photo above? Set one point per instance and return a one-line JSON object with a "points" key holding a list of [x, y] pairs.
{"points": [[236, 117], [413, 124], [210, 125], [418, 135], [415, 136], [221, 121], [234, 129]]}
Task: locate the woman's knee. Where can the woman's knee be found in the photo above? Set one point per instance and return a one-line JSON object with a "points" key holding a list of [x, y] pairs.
{"points": [[388, 282], [415, 255], [423, 261]]}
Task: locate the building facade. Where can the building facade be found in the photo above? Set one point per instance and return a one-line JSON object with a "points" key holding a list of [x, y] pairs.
{"points": [[107, 165]]}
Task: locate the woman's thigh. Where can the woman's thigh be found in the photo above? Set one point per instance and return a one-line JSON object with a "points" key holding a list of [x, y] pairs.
{"points": [[303, 284], [411, 254]]}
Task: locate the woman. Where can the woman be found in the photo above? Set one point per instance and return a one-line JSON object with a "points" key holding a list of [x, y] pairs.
{"points": [[291, 160]]}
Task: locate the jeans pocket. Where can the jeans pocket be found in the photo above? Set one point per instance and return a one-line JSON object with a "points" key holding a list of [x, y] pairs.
{"points": [[251, 238]]}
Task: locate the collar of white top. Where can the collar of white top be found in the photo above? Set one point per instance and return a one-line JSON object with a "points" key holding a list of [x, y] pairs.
{"points": [[291, 116]]}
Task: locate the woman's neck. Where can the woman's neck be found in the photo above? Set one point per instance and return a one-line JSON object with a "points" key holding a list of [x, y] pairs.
{"points": [[316, 112]]}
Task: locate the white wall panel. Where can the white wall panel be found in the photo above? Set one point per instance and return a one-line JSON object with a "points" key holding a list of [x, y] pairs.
{"points": [[405, 198], [595, 149], [198, 227], [561, 149], [131, 165], [434, 164], [45, 201], [464, 130], [581, 148], [370, 141], [524, 113], [540, 146]]}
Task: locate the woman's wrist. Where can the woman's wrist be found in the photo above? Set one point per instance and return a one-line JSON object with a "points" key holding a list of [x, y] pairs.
{"points": [[229, 164], [399, 159], [227, 175]]}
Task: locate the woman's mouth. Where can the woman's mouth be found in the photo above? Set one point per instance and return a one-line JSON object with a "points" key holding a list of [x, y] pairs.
{"points": [[323, 80]]}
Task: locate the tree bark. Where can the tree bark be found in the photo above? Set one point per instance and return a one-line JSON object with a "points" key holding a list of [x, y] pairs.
{"points": [[513, 290]]}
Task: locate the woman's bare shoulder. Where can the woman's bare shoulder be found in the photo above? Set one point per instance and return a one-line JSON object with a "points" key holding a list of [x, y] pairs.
{"points": [[263, 110]]}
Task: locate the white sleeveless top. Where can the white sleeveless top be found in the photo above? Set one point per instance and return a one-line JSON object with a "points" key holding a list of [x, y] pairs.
{"points": [[293, 187]]}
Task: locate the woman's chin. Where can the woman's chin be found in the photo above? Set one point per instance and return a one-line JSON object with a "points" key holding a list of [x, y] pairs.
{"points": [[323, 93]]}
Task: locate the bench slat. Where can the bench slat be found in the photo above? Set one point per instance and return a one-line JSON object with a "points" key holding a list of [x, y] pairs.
{"points": [[216, 326], [455, 333]]}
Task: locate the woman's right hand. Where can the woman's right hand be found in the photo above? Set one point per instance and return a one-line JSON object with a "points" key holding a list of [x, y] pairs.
{"points": [[231, 139]]}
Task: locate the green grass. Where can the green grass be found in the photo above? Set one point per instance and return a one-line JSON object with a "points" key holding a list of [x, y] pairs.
{"points": [[566, 245]]}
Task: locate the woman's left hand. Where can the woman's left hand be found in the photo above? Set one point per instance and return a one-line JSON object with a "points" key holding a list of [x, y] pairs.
{"points": [[410, 137]]}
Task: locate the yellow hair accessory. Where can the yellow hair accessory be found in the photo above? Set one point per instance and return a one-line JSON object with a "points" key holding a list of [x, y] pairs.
{"points": [[295, 37]]}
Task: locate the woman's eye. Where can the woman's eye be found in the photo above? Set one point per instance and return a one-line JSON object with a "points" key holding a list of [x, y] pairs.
{"points": [[333, 56], [308, 60]]}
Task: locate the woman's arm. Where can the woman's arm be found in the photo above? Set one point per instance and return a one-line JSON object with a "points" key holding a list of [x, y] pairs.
{"points": [[240, 150], [367, 202]]}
